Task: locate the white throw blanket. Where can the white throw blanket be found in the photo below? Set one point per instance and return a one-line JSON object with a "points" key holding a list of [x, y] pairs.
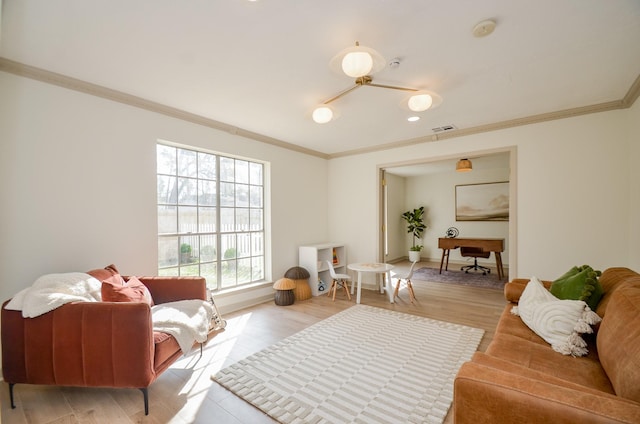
{"points": [[54, 290], [186, 320]]}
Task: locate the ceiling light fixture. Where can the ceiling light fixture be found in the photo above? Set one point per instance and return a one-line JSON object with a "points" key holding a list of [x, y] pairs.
{"points": [[420, 102], [413, 118], [322, 114], [359, 62], [464, 165]]}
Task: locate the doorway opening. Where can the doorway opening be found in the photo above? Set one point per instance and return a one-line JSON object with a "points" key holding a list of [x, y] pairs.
{"points": [[431, 182]]}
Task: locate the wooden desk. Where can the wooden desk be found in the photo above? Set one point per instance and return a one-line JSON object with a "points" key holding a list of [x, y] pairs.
{"points": [[494, 245]]}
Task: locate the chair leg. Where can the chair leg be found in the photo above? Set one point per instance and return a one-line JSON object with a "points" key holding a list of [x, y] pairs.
{"points": [[476, 267], [331, 287], [346, 289], [397, 290], [412, 295], [335, 289], [13, 405]]}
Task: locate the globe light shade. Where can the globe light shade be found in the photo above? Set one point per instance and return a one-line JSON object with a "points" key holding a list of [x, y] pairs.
{"points": [[322, 114], [357, 61], [420, 102], [357, 64]]}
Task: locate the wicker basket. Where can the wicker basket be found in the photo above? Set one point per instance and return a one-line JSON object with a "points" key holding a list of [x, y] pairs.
{"points": [[301, 277]]}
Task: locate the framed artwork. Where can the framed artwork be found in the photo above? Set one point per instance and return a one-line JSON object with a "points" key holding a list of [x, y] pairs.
{"points": [[482, 202]]}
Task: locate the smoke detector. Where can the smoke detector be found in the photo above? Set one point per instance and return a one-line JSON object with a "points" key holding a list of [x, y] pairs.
{"points": [[394, 63], [484, 28]]}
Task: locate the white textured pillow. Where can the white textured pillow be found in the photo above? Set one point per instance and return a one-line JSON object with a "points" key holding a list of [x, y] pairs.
{"points": [[558, 322]]}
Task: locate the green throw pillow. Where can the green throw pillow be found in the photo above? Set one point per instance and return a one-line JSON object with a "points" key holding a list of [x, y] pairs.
{"points": [[579, 283]]}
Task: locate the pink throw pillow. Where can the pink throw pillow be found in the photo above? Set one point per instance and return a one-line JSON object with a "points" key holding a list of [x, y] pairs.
{"points": [[132, 291], [109, 273]]}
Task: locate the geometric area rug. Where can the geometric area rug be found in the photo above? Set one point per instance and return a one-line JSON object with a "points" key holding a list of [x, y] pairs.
{"points": [[361, 365]]}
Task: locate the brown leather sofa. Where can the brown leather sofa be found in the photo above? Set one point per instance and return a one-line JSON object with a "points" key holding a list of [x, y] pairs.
{"points": [[95, 344], [521, 379]]}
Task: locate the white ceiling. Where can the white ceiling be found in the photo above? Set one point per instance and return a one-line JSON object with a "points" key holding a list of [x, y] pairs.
{"points": [[262, 66]]}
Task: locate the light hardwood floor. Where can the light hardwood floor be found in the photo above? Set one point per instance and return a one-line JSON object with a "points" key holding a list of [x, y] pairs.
{"points": [[186, 394]]}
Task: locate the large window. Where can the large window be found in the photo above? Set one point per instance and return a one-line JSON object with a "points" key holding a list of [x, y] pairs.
{"points": [[210, 217]]}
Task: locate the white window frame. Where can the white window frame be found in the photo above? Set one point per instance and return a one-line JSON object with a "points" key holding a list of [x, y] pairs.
{"points": [[228, 255]]}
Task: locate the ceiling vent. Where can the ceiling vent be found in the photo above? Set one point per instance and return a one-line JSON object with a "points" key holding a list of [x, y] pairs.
{"points": [[444, 128]]}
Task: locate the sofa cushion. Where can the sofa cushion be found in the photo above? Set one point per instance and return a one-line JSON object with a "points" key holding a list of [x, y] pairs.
{"points": [[579, 283], [132, 291], [619, 342], [559, 322], [166, 351], [568, 381], [585, 371], [513, 325]]}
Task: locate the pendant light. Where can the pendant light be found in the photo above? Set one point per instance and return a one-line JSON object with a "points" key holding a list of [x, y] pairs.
{"points": [[464, 165]]}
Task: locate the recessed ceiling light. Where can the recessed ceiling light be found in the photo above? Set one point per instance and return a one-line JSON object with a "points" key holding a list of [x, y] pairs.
{"points": [[413, 118]]}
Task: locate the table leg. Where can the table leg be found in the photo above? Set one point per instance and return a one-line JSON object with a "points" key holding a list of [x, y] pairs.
{"points": [[389, 285], [499, 265], [359, 286], [445, 253]]}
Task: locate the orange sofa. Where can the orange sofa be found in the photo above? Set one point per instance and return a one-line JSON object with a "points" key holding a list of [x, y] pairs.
{"points": [[95, 344], [520, 378]]}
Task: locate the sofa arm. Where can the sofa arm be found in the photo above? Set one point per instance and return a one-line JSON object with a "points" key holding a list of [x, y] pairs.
{"points": [[484, 394], [514, 288], [101, 344], [171, 289]]}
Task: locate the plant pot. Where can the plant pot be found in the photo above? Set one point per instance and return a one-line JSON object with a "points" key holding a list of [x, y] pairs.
{"points": [[414, 255]]}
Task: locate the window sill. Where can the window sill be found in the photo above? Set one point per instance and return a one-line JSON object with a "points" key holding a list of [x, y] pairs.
{"points": [[242, 289]]}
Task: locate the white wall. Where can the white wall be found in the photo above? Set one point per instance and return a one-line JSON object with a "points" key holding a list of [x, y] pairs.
{"points": [[77, 177], [574, 183]]}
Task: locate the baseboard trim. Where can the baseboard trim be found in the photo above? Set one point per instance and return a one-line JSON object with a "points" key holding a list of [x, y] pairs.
{"points": [[233, 307]]}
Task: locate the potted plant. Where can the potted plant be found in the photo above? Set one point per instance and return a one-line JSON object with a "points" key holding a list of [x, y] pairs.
{"points": [[415, 227]]}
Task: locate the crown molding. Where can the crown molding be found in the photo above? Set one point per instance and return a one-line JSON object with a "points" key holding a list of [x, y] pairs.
{"points": [[633, 93], [74, 84], [534, 119], [70, 83]]}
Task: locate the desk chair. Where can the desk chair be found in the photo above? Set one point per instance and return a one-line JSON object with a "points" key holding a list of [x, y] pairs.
{"points": [[341, 280], [475, 253], [407, 278]]}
